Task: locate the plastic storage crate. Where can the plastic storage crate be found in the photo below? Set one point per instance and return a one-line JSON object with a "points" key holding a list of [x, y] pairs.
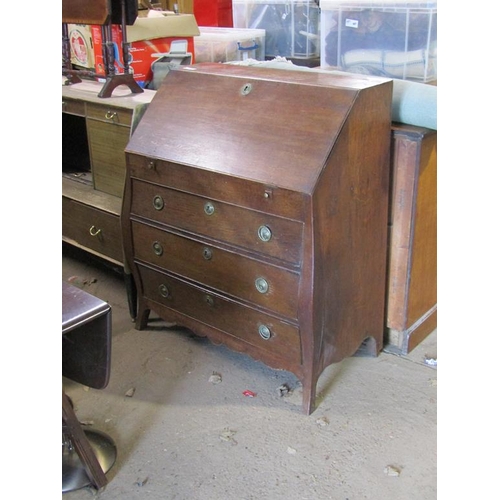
{"points": [[292, 27], [390, 38], [229, 44]]}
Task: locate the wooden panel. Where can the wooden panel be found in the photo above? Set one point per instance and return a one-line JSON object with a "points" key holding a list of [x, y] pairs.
{"points": [[86, 12], [423, 282], [77, 221], [107, 143], [224, 124], [412, 276], [73, 107]]}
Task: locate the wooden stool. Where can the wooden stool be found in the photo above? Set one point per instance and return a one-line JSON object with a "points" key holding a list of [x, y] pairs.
{"points": [[86, 355]]}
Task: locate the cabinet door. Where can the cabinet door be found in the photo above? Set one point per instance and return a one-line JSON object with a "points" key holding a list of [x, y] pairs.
{"points": [[107, 143]]}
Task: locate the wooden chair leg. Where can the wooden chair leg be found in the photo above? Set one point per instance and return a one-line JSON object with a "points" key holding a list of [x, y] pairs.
{"points": [[82, 445]]}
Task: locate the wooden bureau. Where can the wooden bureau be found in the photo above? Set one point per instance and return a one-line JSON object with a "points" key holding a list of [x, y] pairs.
{"points": [[95, 132], [255, 212]]}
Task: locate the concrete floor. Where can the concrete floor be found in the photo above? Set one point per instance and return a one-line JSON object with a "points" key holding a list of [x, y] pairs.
{"points": [[181, 436]]}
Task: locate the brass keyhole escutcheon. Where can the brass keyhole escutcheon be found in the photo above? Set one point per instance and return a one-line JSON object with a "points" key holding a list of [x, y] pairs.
{"points": [[151, 165], [265, 233], [246, 89], [157, 248], [209, 300], [164, 292], [158, 202], [265, 332], [262, 285], [207, 253], [209, 208]]}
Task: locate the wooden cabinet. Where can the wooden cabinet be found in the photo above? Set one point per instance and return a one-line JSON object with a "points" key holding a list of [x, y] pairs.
{"points": [[255, 212], [95, 132], [412, 273]]}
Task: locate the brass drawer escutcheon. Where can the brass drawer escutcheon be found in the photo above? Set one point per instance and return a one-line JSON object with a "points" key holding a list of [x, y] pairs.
{"points": [[207, 253], [209, 208], [209, 300]]}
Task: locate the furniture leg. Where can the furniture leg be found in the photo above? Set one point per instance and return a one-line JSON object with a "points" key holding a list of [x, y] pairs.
{"points": [[82, 445]]}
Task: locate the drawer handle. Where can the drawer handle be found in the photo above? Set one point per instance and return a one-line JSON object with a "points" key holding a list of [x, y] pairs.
{"points": [[209, 208], [207, 253], [157, 248], [265, 332], [158, 202], [94, 231], [265, 233], [262, 285], [209, 300], [110, 115], [164, 292]]}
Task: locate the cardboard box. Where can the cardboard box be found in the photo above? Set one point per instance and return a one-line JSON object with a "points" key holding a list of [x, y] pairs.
{"points": [[149, 39], [81, 46]]}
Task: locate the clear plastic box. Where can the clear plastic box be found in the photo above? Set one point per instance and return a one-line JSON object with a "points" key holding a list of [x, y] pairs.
{"points": [[215, 44], [292, 27], [391, 38]]}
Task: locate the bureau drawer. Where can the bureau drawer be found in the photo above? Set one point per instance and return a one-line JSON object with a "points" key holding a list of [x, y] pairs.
{"points": [[73, 107], [109, 114], [249, 229], [93, 229], [271, 287], [256, 328]]}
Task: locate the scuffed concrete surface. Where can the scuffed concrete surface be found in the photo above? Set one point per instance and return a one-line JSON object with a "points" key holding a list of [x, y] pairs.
{"points": [[180, 436]]}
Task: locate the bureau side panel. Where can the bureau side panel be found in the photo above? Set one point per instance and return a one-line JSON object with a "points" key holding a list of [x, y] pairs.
{"points": [[350, 231]]}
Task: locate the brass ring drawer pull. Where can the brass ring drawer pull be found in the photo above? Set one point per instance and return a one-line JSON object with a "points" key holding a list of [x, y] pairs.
{"points": [[265, 233], [158, 202], [262, 285], [164, 291], [94, 231], [110, 115], [265, 332], [157, 248]]}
